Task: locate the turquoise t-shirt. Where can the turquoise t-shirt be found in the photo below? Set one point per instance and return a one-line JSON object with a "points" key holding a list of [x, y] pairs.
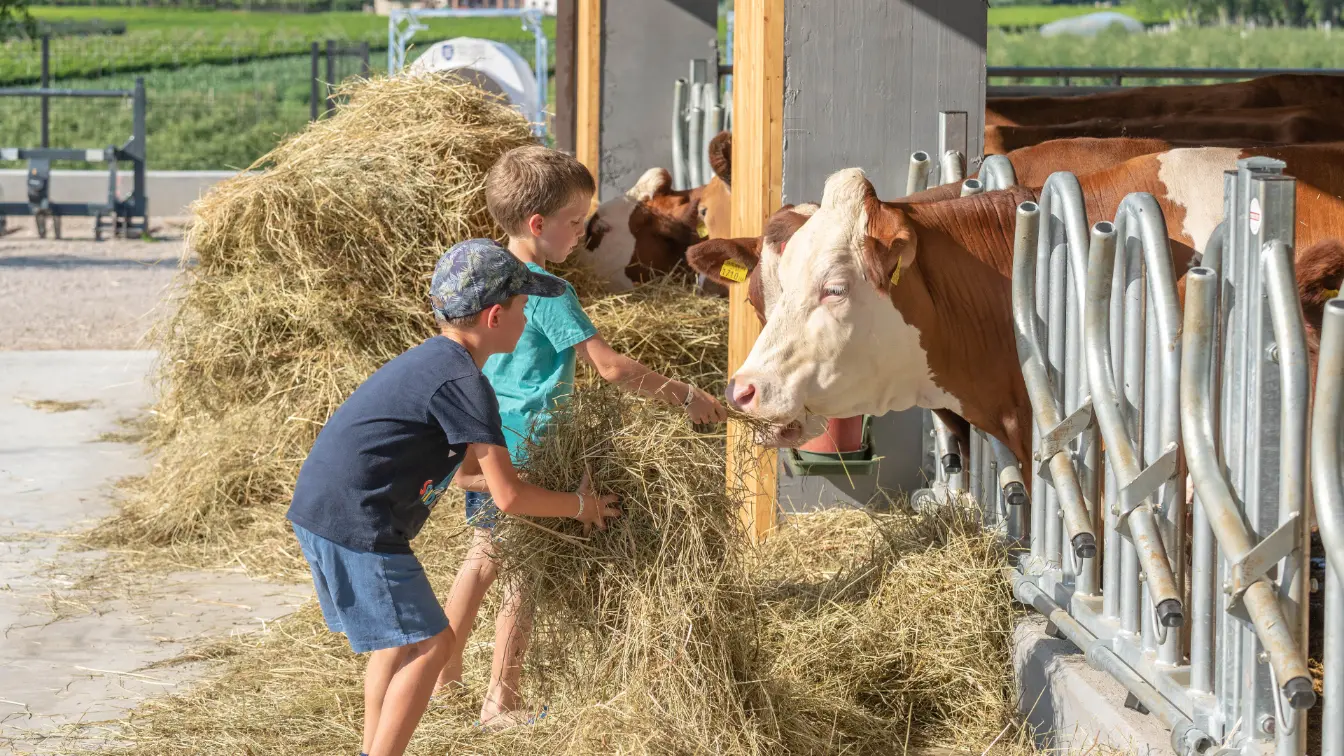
{"points": [[540, 370]]}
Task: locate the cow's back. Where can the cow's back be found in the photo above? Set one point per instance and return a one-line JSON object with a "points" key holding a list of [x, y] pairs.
{"points": [[1284, 90]]}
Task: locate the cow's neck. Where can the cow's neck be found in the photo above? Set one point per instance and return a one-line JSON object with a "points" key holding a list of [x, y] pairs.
{"points": [[958, 294]]}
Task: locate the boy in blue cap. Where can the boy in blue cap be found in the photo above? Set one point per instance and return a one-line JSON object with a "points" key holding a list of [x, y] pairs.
{"points": [[540, 197], [380, 463]]}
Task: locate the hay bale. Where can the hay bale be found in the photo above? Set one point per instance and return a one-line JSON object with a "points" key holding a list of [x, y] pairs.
{"points": [[310, 275]]}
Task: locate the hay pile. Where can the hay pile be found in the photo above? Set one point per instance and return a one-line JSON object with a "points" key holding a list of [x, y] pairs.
{"points": [[851, 632], [310, 275]]}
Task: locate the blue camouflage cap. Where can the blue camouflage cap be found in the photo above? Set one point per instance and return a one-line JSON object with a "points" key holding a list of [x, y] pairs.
{"points": [[478, 273]]}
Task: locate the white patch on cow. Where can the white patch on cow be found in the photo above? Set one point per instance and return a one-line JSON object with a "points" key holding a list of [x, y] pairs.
{"points": [[655, 181], [1193, 179], [609, 261], [855, 355]]}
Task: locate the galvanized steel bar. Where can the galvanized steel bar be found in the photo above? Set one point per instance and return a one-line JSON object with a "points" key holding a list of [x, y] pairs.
{"points": [[1327, 475], [971, 187], [953, 167], [679, 169], [710, 128], [695, 135], [1285, 315], [1260, 598], [1203, 552], [996, 172], [918, 178], [1141, 520], [1045, 409], [975, 485]]}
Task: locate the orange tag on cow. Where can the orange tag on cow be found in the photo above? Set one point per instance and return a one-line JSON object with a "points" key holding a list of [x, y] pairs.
{"points": [[733, 270]]}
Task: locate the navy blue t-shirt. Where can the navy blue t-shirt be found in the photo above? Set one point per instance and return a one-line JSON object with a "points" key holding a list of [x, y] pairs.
{"points": [[384, 456]]}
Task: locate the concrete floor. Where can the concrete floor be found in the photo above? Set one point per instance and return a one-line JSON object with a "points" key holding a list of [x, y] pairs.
{"points": [[69, 654]]}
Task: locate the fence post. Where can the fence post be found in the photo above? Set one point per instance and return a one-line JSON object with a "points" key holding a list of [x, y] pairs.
{"points": [[46, 82], [312, 85], [364, 68], [331, 74]]}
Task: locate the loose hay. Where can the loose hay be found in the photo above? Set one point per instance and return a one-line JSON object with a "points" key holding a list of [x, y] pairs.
{"points": [[311, 274], [850, 632]]}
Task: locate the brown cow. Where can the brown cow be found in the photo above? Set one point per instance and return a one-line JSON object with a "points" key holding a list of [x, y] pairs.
{"points": [[952, 322], [646, 233], [1262, 126], [1278, 91]]}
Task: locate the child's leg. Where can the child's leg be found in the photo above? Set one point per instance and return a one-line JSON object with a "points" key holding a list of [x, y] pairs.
{"points": [[464, 600], [408, 694], [383, 664], [513, 628]]}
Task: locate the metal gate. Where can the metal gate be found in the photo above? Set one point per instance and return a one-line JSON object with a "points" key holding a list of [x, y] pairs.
{"points": [[1108, 360]]}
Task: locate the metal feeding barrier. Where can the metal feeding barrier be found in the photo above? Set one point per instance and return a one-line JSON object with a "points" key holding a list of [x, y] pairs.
{"points": [[1108, 360], [699, 112], [125, 215]]}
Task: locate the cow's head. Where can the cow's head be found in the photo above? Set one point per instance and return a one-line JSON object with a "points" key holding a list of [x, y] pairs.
{"points": [[833, 344], [642, 234]]}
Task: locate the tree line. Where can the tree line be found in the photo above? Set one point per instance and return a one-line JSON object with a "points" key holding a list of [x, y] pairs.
{"points": [[1279, 12]]}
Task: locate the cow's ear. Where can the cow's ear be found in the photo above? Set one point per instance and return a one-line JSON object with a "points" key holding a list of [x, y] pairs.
{"points": [[725, 260], [889, 246], [654, 182], [721, 156]]}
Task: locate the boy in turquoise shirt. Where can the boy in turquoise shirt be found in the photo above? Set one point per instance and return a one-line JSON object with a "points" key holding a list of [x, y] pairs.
{"points": [[541, 198]]}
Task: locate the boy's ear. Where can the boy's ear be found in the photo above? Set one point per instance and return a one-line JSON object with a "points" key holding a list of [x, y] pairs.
{"points": [[535, 223]]}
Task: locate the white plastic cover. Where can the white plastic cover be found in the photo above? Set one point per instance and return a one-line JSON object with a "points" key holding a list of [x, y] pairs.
{"points": [[493, 66], [1091, 24]]}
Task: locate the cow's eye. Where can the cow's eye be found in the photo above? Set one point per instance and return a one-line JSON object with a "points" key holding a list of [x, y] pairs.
{"points": [[834, 291]]}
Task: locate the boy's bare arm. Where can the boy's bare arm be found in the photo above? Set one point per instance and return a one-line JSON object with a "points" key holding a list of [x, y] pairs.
{"points": [[469, 476], [630, 375], [515, 496]]}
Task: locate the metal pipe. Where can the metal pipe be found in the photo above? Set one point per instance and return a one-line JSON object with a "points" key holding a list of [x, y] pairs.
{"points": [[1046, 412], [710, 94], [49, 92], [918, 178], [1186, 738], [1260, 598], [679, 135], [1328, 486], [953, 167], [977, 452], [1120, 452], [695, 136], [997, 172], [971, 187]]}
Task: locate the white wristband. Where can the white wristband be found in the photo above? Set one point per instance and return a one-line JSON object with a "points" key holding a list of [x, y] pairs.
{"points": [[579, 516], [690, 396]]}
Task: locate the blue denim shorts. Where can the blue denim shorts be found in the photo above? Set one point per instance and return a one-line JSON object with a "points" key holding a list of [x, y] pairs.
{"points": [[481, 511], [378, 600]]}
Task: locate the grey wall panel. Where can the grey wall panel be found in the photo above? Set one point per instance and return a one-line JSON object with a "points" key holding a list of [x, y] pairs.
{"points": [[646, 46], [864, 82]]}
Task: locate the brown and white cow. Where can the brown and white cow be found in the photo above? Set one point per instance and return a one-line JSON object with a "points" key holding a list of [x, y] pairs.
{"points": [[834, 345], [646, 233]]}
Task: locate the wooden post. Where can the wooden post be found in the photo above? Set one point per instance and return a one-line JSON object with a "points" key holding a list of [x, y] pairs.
{"points": [[588, 87], [758, 174], [566, 38]]}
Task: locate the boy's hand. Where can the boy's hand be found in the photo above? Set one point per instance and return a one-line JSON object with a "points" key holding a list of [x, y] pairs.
{"points": [[597, 508], [705, 408]]}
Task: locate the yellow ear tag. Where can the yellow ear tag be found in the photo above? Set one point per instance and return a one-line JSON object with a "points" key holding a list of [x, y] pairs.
{"points": [[701, 229], [896, 276], [1331, 293], [733, 270]]}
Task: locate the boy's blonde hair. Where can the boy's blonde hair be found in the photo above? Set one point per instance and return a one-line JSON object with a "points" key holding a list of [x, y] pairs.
{"points": [[533, 180]]}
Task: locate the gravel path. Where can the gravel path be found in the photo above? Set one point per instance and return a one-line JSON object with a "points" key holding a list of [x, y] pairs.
{"points": [[77, 293]]}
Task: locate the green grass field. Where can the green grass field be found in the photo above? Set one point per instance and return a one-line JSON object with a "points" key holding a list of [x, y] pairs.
{"points": [[224, 86], [1035, 15]]}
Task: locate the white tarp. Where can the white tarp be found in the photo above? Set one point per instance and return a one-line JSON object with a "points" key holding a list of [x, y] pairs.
{"points": [[1091, 24], [493, 66]]}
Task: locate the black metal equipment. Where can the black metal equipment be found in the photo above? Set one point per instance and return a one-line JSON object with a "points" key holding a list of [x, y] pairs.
{"points": [[127, 216]]}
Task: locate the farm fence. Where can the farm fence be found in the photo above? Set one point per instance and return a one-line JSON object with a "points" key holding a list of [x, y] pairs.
{"points": [[1201, 615]]}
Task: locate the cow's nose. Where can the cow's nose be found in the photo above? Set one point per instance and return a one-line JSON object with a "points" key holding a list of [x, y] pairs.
{"points": [[741, 395]]}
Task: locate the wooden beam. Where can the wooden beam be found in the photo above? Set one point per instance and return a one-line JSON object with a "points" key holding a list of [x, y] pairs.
{"points": [[588, 87], [566, 41], [758, 176]]}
